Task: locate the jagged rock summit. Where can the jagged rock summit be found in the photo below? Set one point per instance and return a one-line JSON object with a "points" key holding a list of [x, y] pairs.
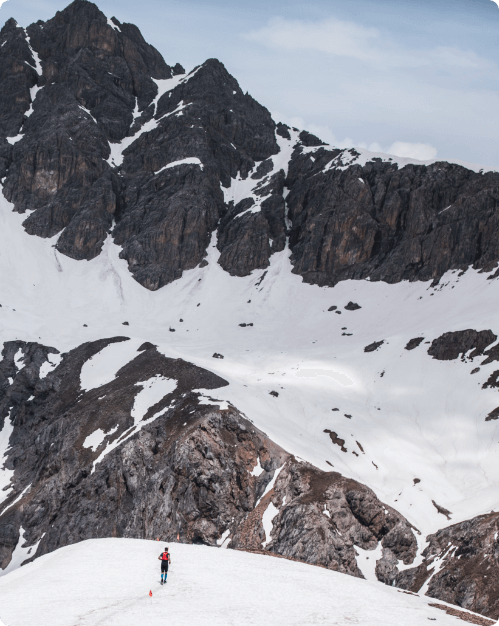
{"points": [[100, 137]]}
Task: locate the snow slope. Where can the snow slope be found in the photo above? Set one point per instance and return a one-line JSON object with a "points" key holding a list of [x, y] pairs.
{"points": [[402, 414], [107, 581]]}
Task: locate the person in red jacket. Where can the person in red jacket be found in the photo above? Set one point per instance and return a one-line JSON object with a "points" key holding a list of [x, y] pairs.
{"points": [[165, 559]]}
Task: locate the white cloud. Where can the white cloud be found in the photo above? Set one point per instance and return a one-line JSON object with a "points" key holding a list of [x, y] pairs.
{"points": [[366, 44], [331, 35], [2, 2], [496, 1]]}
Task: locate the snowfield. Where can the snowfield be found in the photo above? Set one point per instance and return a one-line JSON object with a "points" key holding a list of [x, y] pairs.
{"points": [[107, 581], [402, 414]]}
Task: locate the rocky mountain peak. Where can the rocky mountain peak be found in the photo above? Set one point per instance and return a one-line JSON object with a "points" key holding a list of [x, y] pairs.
{"points": [[80, 11], [96, 128]]}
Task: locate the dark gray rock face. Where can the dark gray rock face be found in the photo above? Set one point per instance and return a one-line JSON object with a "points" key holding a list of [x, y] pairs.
{"points": [[414, 343], [246, 239], [168, 217], [467, 573], [187, 471], [452, 345], [95, 86], [17, 76], [372, 347], [82, 95], [386, 223], [74, 87]]}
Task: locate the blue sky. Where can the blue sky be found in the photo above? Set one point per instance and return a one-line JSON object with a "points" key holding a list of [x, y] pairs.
{"points": [[416, 77]]}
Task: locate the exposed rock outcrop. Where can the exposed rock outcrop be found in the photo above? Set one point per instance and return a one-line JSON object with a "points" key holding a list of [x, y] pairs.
{"points": [[372, 347], [380, 222], [461, 566], [86, 464], [86, 77], [414, 343], [97, 129], [96, 84], [452, 345], [320, 517]]}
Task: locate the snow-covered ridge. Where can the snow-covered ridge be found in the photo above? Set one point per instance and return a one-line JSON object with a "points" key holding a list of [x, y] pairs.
{"points": [[219, 585]]}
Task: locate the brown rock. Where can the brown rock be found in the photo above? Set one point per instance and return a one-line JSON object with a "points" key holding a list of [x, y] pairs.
{"points": [[467, 574]]}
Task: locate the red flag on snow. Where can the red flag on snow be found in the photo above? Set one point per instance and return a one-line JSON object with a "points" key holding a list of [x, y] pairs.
{"points": [[150, 593]]}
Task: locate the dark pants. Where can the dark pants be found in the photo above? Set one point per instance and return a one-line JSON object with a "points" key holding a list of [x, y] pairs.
{"points": [[164, 568]]}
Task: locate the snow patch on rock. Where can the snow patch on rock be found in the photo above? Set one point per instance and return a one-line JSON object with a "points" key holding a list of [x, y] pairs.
{"points": [[153, 390], [103, 366], [366, 561], [49, 365], [268, 517]]}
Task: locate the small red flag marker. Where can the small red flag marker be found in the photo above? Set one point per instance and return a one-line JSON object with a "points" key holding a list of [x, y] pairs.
{"points": [[150, 593]]}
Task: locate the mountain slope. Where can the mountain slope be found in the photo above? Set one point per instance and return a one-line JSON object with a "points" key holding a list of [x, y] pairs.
{"points": [[342, 303], [101, 135], [213, 586]]}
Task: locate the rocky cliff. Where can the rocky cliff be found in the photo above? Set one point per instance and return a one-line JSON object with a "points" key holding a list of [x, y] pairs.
{"points": [[460, 566], [109, 461], [99, 136]]}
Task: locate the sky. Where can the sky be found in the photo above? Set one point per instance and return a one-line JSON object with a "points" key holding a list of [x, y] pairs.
{"points": [[416, 78]]}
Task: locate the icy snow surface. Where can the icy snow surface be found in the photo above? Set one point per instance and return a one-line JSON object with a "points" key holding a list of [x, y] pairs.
{"points": [[19, 497], [5, 474], [96, 438], [103, 366], [38, 64], [422, 419], [222, 542], [153, 390], [33, 91], [13, 140], [366, 561], [113, 25], [51, 364], [246, 188], [268, 517], [270, 486], [89, 584], [258, 469], [187, 161]]}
